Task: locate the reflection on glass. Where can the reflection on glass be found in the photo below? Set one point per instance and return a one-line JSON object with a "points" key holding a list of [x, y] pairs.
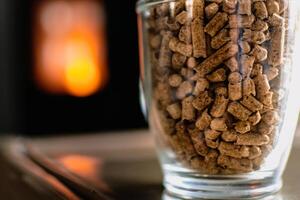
{"points": [[86, 167]]}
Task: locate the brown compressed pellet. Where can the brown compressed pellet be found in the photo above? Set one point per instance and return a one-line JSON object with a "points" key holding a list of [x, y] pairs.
{"points": [[178, 60], [213, 144], [260, 10], [247, 65], [211, 10], [175, 80], [246, 21], [256, 37], [235, 77], [184, 89], [249, 87], [239, 111], [275, 56], [216, 23], [155, 41], [233, 22], [267, 99], [217, 76], [232, 64], [198, 38], [178, 7], [174, 110], [229, 149], [209, 49], [224, 53], [163, 94], [251, 103], [184, 34], [272, 6], [257, 70], [185, 140], [265, 129], [168, 125], [244, 7], [282, 5], [272, 73], [202, 101], [242, 127], [276, 20], [239, 165], [255, 118], [218, 124], [217, 69], [259, 53], [176, 146], [180, 47], [229, 6], [201, 85], [188, 111], [270, 117], [245, 47], [220, 104], [260, 25], [220, 39], [262, 84], [198, 140], [203, 121], [191, 62], [165, 52], [235, 91], [241, 21], [252, 139], [229, 136], [206, 167], [198, 9], [234, 34], [182, 17], [211, 134], [200, 147], [235, 86], [212, 156], [187, 73], [254, 152]]}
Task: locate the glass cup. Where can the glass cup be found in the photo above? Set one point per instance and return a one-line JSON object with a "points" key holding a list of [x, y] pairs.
{"points": [[220, 93]]}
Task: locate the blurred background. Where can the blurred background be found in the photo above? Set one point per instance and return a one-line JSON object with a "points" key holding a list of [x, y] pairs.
{"points": [[68, 66]]}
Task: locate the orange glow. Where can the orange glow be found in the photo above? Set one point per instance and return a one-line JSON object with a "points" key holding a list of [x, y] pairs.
{"points": [[86, 167], [82, 165], [70, 49]]}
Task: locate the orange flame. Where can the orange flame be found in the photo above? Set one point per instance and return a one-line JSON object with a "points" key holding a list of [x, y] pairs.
{"points": [[70, 49]]}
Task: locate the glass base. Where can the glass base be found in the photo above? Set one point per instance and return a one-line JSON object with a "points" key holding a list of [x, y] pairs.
{"points": [[196, 186]]}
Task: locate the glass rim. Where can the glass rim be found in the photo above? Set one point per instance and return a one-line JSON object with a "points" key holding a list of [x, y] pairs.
{"points": [[141, 5]]}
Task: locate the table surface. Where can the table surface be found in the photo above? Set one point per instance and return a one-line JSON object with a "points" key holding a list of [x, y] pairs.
{"points": [[97, 166]]}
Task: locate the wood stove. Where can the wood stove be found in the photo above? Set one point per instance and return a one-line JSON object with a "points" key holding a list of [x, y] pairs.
{"points": [[68, 66]]}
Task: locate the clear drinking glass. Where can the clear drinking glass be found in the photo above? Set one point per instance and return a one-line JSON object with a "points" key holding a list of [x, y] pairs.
{"points": [[220, 95]]}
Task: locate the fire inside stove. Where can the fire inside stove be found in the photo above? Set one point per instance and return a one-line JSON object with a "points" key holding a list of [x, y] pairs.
{"points": [[70, 49]]}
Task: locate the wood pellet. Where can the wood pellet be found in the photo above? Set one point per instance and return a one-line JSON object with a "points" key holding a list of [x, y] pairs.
{"points": [[215, 65]]}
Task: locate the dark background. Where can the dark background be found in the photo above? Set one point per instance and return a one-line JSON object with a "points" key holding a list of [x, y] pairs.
{"points": [[26, 109]]}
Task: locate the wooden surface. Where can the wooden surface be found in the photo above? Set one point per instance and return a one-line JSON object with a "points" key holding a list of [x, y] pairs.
{"points": [[126, 168]]}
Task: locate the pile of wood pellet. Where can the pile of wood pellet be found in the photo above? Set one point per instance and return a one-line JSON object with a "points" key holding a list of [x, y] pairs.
{"points": [[216, 68]]}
